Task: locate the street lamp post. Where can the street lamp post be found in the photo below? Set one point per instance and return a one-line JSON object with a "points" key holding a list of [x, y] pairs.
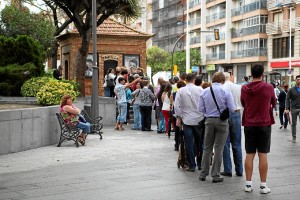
{"points": [[94, 100], [216, 34]]}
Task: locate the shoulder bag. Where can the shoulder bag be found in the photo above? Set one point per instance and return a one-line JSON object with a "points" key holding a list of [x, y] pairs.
{"points": [[225, 113]]}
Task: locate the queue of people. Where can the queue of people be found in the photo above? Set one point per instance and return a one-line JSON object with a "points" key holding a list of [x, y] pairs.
{"points": [[210, 115]]}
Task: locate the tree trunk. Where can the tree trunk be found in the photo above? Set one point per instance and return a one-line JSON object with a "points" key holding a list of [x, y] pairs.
{"points": [[53, 55], [80, 62]]}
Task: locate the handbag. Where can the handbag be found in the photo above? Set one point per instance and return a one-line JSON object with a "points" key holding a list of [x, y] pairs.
{"points": [[81, 118], [225, 113]]}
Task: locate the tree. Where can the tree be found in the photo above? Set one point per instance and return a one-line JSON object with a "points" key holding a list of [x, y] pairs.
{"points": [[180, 59], [80, 13], [15, 21], [158, 59]]}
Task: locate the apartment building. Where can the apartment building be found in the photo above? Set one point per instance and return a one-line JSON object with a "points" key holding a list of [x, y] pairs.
{"points": [[283, 32], [167, 23]]}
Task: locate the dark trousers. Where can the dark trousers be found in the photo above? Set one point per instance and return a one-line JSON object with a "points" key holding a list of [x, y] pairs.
{"points": [[281, 114], [146, 113]]}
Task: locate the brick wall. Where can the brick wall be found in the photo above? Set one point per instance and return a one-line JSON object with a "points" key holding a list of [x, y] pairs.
{"points": [[109, 48]]}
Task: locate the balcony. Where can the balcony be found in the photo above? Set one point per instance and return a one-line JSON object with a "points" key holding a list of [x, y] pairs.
{"points": [[249, 53], [211, 38], [195, 21], [273, 4], [216, 16], [215, 56], [248, 31], [194, 3], [208, 1], [195, 40], [283, 26], [248, 8]]}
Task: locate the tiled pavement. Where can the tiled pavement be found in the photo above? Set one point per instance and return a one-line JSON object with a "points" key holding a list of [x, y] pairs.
{"points": [[136, 165]]}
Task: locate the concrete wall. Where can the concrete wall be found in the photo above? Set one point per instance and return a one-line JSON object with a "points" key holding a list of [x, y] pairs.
{"points": [[29, 128], [107, 109]]}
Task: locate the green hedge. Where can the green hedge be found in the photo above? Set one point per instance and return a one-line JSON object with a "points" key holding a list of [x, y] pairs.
{"points": [[20, 59]]}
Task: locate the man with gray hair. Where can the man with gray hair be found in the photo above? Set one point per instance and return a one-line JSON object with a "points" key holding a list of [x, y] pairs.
{"points": [[234, 136]]}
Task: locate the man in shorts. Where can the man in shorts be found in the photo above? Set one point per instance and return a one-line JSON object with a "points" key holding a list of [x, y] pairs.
{"points": [[258, 99]]}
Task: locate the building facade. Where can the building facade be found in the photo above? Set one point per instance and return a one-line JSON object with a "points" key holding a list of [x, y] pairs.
{"points": [[283, 32]]}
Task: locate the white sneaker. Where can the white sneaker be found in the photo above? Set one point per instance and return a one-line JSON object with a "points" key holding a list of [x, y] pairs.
{"points": [[264, 190], [248, 188]]}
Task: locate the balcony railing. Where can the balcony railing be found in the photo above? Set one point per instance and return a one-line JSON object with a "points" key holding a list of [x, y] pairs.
{"points": [[262, 4], [195, 40], [274, 3], [248, 31], [211, 38], [216, 16], [215, 56], [208, 1], [194, 3], [195, 21], [283, 26], [249, 53]]}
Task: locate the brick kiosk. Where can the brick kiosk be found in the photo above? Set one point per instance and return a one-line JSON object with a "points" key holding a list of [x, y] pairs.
{"points": [[115, 41]]}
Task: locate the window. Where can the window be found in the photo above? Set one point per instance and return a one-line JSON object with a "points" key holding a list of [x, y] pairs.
{"points": [[281, 47]]}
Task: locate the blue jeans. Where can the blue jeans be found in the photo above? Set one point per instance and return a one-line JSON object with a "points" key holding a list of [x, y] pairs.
{"points": [[234, 137], [162, 125], [122, 109], [106, 91], [85, 127], [137, 117]]}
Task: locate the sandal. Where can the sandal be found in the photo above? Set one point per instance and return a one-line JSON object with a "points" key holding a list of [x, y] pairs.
{"points": [[116, 128], [80, 140], [121, 129]]}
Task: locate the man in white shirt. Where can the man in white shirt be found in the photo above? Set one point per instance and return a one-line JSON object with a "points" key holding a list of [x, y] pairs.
{"points": [[186, 103], [234, 136]]}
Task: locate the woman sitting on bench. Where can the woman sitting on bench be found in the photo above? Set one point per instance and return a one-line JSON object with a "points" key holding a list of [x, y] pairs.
{"points": [[71, 114]]}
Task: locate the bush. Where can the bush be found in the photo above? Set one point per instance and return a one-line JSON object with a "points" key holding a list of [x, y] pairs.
{"points": [[52, 92], [13, 76], [31, 87]]}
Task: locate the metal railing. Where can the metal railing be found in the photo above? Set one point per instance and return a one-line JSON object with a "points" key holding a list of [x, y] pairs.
{"points": [[215, 56], [195, 40], [216, 16], [274, 3], [195, 21], [262, 4], [194, 3], [284, 26], [261, 28], [249, 53], [211, 38]]}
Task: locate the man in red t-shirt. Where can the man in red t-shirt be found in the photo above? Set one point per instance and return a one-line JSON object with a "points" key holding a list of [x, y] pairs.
{"points": [[258, 99]]}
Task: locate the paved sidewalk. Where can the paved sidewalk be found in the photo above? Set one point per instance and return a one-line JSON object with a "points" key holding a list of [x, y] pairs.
{"points": [[136, 165]]}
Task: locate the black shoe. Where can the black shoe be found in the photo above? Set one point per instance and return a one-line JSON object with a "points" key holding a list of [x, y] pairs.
{"points": [[159, 132], [281, 127], [217, 180], [239, 174], [172, 130], [150, 130], [202, 177], [226, 174], [144, 130]]}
